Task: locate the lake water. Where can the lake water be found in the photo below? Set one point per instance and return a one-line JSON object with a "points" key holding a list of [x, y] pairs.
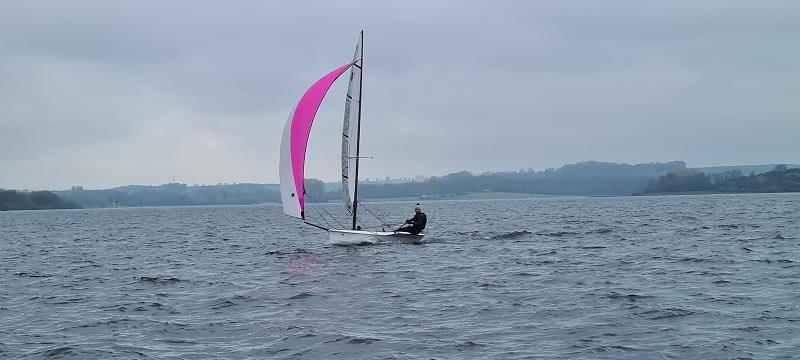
{"points": [[714, 276]]}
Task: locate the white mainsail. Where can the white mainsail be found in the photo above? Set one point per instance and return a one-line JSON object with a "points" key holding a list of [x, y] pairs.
{"points": [[350, 129]]}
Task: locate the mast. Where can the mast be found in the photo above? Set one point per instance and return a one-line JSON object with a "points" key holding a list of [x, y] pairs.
{"points": [[358, 140]]}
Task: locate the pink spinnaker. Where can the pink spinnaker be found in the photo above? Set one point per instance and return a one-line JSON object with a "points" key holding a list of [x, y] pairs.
{"points": [[302, 120]]}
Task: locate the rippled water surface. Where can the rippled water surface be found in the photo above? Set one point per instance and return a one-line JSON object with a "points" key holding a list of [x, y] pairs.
{"points": [[713, 276]]}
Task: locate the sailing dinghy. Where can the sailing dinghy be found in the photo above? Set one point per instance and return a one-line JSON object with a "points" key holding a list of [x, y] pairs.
{"points": [[293, 153]]}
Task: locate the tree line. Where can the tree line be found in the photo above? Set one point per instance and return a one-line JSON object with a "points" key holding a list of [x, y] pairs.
{"points": [[780, 179], [590, 178], [36, 200], [175, 194]]}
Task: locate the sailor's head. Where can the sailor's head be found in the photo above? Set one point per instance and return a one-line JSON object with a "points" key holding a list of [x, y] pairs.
{"points": [[418, 208]]}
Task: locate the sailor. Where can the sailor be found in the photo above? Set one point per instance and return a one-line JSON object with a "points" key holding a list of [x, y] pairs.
{"points": [[417, 223]]}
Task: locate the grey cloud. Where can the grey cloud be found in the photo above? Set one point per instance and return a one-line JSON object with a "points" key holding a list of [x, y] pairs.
{"points": [[200, 90]]}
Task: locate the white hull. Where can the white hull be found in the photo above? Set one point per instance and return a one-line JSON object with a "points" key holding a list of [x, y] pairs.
{"points": [[360, 237]]}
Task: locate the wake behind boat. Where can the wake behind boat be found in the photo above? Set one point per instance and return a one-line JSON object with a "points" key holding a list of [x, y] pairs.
{"points": [[293, 153]]}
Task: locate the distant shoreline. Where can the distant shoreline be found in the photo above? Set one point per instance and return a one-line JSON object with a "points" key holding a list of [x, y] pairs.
{"points": [[484, 196], [12, 200], [588, 178]]}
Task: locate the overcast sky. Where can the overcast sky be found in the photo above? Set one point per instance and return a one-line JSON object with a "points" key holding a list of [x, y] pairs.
{"points": [[109, 93]]}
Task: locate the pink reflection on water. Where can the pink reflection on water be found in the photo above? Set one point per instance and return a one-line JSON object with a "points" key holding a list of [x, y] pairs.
{"points": [[304, 265]]}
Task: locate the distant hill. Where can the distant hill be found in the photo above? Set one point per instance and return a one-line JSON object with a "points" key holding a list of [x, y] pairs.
{"points": [[780, 179], [584, 178], [36, 200], [594, 169], [743, 169], [175, 194], [588, 178]]}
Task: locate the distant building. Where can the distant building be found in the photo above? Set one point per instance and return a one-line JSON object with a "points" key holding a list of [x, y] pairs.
{"points": [[386, 180]]}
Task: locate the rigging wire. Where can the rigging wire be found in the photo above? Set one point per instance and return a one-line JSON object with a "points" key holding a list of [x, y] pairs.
{"points": [[323, 218], [383, 223], [317, 208]]}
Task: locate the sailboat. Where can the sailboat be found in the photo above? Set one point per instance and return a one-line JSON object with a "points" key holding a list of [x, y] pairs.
{"points": [[293, 153]]}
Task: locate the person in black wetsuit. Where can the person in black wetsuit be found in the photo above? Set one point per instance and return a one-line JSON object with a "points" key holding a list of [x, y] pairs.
{"points": [[417, 222]]}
